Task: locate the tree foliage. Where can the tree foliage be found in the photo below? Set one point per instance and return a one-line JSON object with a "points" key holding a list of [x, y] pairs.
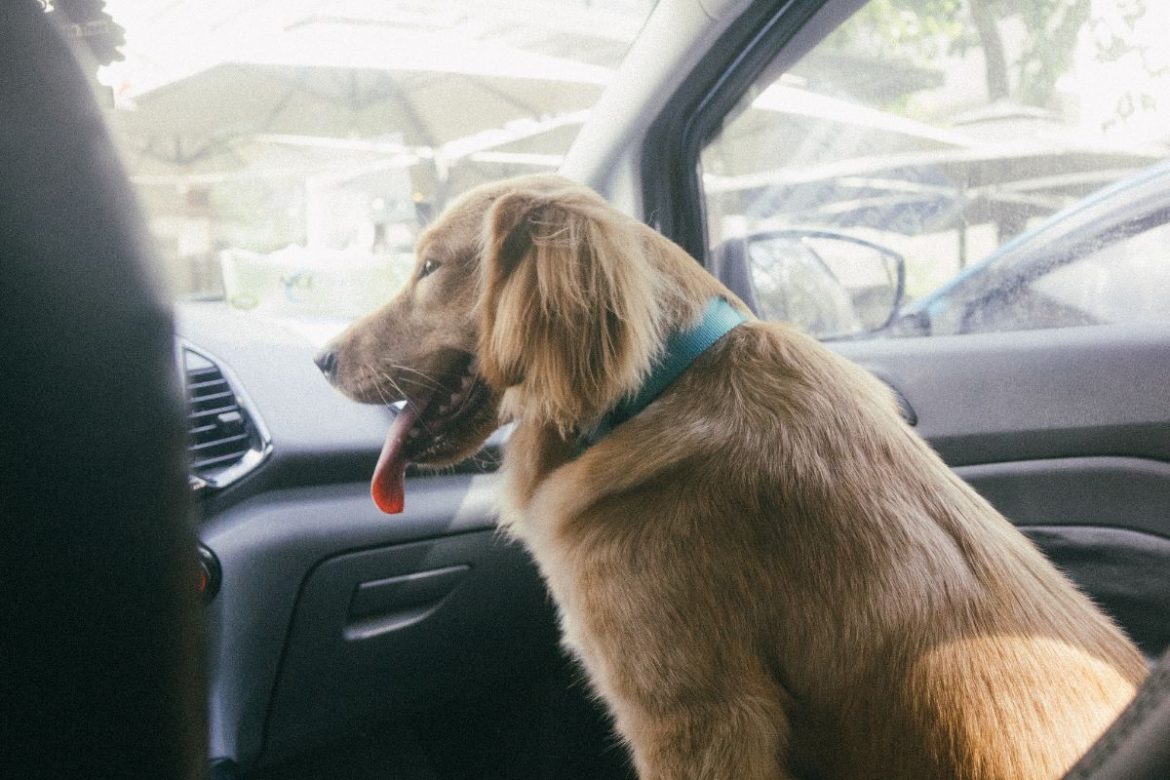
{"points": [[920, 31]]}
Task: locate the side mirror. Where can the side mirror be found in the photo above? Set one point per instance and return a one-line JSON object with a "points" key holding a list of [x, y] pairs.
{"points": [[830, 285]]}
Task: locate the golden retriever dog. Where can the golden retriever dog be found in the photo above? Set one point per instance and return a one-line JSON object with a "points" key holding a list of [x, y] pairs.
{"points": [[764, 571]]}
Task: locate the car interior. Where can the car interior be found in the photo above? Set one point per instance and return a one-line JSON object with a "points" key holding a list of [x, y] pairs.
{"points": [[197, 583]]}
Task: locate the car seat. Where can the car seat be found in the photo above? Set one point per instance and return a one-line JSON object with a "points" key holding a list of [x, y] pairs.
{"points": [[101, 649]]}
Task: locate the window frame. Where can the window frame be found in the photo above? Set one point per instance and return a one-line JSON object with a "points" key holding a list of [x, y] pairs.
{"points": [[768, 35]]}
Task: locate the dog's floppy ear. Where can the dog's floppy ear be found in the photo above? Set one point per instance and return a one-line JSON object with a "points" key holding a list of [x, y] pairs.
{"points": [[569, 311]]}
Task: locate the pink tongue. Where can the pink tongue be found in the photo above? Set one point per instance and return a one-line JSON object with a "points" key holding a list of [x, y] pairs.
{"points": [[388, 487]]}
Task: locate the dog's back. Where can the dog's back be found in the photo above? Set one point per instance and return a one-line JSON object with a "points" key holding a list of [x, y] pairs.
{"points": [[916, 632], [764, 569]]}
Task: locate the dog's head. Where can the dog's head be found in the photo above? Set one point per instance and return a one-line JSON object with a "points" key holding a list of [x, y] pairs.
{"points": [[533, 296]]}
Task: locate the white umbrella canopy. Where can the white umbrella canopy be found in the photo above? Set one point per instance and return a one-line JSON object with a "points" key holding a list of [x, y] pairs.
{"points": [[431, 109], [835, 162], [232, 116], [438, 85], [341, 125]]}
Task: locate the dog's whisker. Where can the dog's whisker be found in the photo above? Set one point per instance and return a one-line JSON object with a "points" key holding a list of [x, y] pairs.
{"points": [[409, 401], [369, 375], [381, 391], [457, 394], [395, 386], [427, 381]]}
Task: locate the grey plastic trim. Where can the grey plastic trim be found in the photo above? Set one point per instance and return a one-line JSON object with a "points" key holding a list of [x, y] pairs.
{"points": [[1072, 392], [267, 545], [489, 628], [1131, 493], [392, 603]]}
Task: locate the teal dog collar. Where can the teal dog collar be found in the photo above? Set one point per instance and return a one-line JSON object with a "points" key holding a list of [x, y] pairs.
{"points": [[682, 348]]}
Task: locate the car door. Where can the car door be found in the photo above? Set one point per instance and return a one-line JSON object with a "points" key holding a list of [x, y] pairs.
{"points": [[940, 132]]}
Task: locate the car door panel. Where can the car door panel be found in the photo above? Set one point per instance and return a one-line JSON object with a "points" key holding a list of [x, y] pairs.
{"points": [[1032, 394], [1118, 492], [1070, 441]]}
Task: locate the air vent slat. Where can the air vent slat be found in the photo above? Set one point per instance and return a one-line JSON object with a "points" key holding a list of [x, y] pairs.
{"points": [[204, 398], [195, 387], [209, 412], [233, 457], [243, 437]]}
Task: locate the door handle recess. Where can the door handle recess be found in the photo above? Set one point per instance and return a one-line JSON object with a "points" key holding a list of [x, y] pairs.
{"points": [[380, 606]]}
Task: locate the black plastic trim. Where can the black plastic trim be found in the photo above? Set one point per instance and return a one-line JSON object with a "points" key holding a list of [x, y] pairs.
{"points": [[483, 618], [210, 572], [1126, 573], [1135, 747]]}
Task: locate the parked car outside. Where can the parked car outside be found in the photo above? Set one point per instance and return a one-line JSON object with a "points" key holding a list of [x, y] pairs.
{"points": [[1104, 260]]}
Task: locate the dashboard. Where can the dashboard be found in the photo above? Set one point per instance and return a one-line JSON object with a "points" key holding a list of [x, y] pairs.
{"points": [[323, 613]]}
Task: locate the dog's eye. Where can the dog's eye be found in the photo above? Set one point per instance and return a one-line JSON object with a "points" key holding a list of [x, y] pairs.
{"points": [[428, 268]]}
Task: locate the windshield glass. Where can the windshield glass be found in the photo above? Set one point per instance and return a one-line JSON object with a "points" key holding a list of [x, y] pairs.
{"points": [[287, 153]]}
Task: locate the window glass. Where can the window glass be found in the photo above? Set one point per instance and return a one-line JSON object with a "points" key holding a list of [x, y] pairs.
{"points": [[288, 153], [966, 140], [1127, 280]]}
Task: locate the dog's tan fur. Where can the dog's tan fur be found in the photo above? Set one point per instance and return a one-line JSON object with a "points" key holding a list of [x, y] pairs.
{"points": [[765, 573]]}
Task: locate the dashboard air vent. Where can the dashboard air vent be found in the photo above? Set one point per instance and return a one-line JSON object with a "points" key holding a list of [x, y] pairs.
{"points": [[224, 438]]}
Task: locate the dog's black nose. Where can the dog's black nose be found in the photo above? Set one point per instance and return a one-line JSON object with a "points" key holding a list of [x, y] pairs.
{"points": [[326, 360]]}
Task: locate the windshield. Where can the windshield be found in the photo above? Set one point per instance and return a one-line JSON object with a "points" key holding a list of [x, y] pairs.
{"points": [[288, 153]]}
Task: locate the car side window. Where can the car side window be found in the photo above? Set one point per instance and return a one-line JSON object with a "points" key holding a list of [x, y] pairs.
{"points": [[916, 170]]}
